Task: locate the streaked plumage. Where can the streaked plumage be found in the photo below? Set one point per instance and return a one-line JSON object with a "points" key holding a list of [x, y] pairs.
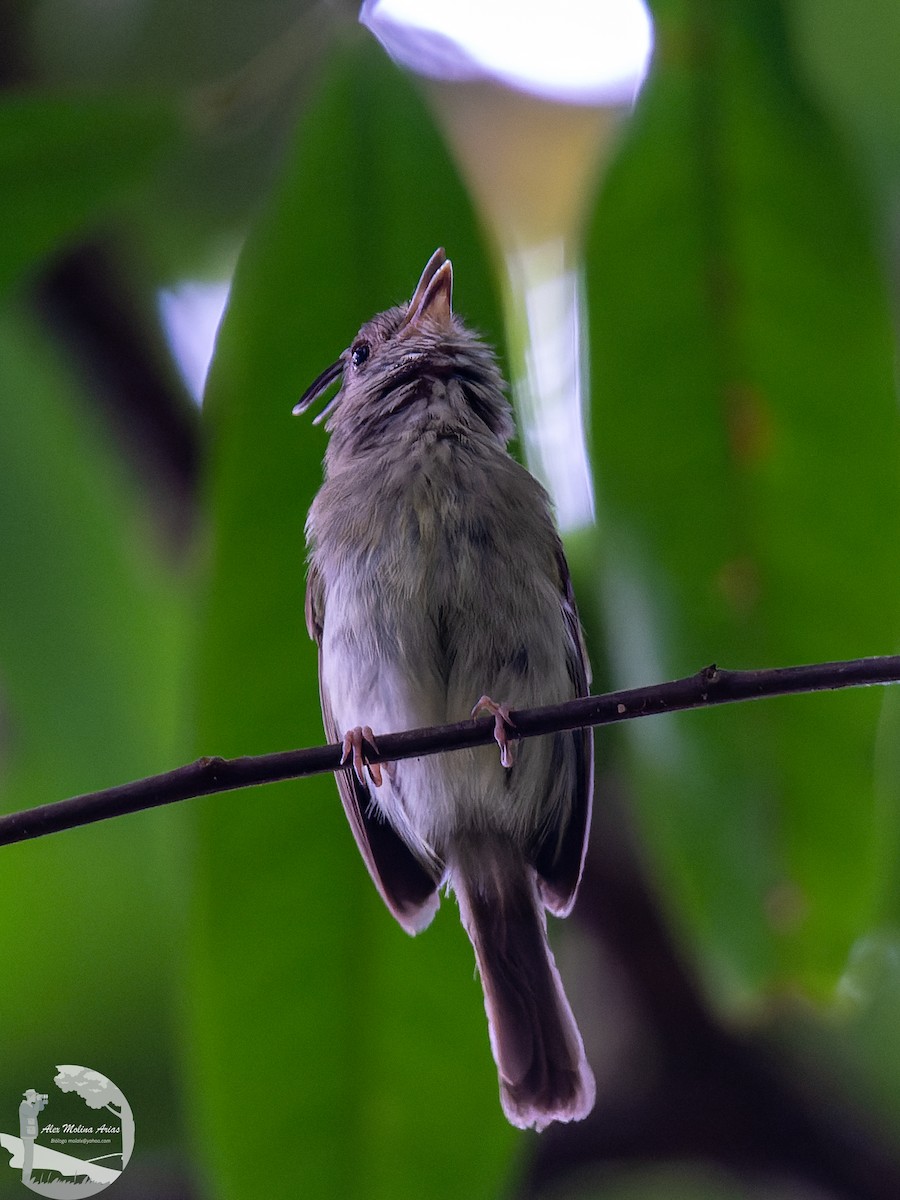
{"points": [[435, 576]]}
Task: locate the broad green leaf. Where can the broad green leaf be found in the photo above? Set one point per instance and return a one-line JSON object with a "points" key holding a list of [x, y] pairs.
{"points": [[851, 61], [92, 632], [746, 443], [369, 1049], [65, 163]]}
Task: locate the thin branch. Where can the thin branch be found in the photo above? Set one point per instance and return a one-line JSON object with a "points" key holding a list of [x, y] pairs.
{"points": [[708, 687]]}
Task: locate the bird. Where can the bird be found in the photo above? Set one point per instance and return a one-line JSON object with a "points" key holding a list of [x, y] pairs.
{"points": [[436, 577]]}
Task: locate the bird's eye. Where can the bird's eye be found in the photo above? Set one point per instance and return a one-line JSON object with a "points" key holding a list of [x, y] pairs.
{"points": [[359, 354]]}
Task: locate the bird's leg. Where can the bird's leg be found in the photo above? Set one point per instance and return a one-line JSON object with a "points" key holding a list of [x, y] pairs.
{"points": [[354, 752], [500, 713]]}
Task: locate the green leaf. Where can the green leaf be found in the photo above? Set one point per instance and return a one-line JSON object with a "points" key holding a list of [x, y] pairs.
{"points": [[92, 627], [852, 64], [308, 998], [66, 162], [746, 442]]}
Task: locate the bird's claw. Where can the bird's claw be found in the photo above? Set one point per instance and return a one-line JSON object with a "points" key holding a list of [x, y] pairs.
{"points": [[502, 719], [354, 752]]}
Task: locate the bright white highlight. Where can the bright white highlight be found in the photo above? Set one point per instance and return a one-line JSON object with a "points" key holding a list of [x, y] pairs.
{"points": [[582, 51], [551, 395], [191, 313]]}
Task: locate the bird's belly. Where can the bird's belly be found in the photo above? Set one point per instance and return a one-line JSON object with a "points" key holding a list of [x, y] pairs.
{"points": [[393, 683], [441, 607]]}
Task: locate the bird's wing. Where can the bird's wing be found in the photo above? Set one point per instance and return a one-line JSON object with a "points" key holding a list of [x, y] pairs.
{"points": [[560, 857], [408, 888]]}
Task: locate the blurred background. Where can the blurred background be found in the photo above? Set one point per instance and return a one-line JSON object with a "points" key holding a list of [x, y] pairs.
{"points": [[696, 301]]}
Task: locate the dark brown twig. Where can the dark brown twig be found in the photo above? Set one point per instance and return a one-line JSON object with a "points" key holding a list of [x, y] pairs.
{"points": [[708, 687]]}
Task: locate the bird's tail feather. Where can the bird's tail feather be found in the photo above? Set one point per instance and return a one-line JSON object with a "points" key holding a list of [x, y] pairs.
{"points": [[544, 1075]]}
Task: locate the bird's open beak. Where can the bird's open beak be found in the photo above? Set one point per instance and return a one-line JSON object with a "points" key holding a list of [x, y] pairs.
{"points": [[318, 388]]}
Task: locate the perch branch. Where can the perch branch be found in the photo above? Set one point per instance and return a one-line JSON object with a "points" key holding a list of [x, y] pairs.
{"points": [[708, 687]]}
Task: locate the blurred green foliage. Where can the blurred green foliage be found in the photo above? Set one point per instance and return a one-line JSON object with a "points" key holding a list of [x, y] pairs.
{"points": [[229, 965], [760, 410]]}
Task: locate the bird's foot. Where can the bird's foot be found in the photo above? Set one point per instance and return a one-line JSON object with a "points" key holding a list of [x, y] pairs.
{"points": [[502, 719], [354, 753]]}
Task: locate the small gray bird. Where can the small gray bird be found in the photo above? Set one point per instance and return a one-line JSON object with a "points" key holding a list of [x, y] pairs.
{"points": [[436, 576]]}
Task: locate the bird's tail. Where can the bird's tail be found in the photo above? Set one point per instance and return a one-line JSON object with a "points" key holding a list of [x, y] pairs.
{"points": [[544, 1075]]}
